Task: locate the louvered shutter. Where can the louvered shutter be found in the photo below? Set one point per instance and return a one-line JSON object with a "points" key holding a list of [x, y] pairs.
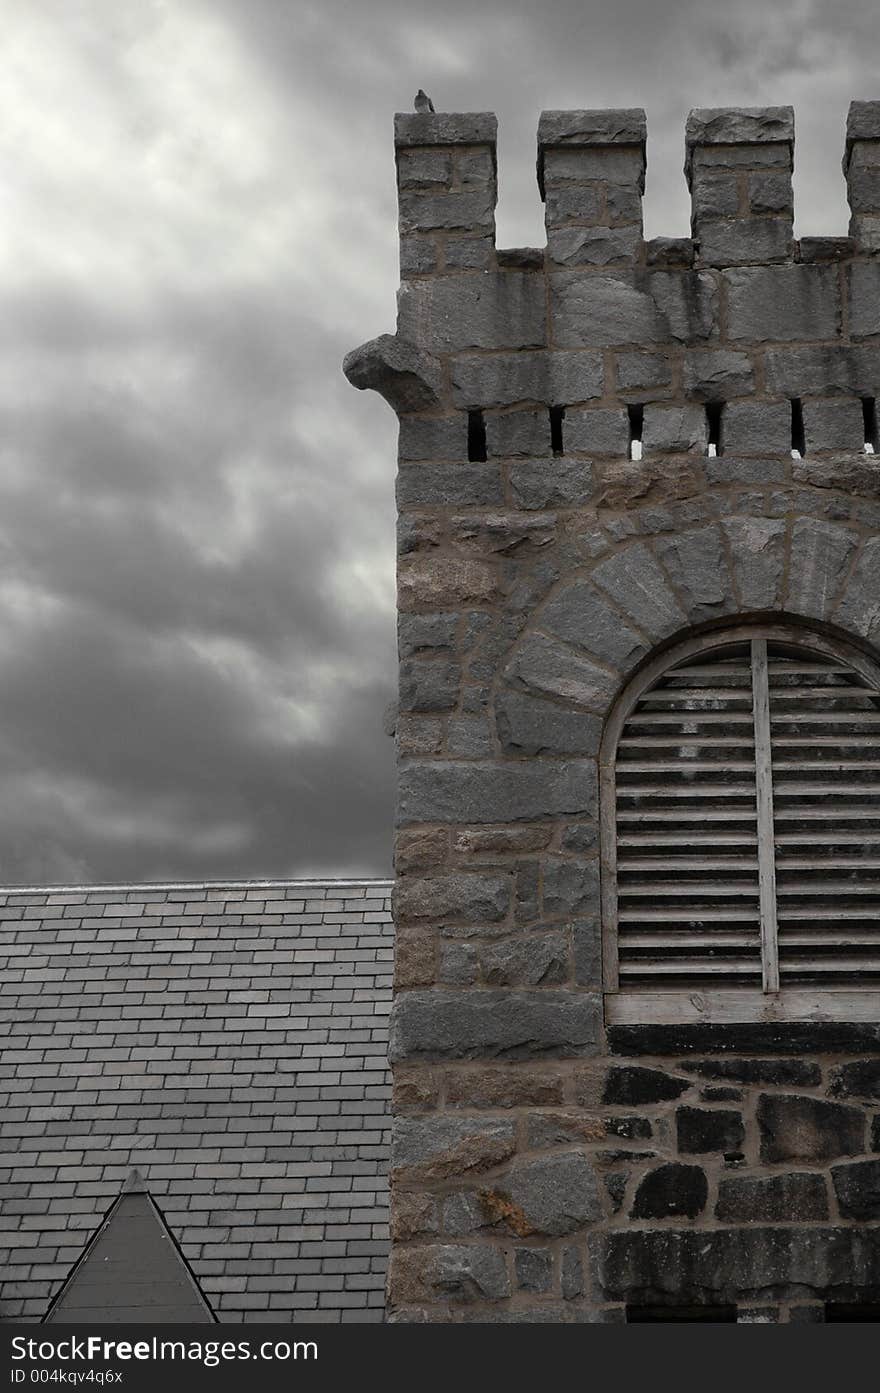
{"points": [[687, 845], [746, 821], [825, 722]]}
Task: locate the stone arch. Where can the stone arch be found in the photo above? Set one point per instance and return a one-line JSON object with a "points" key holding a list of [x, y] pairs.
{"points": [[586, 638]]}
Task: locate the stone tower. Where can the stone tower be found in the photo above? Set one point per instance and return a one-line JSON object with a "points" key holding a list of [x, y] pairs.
{"points": [[636, 1035]]}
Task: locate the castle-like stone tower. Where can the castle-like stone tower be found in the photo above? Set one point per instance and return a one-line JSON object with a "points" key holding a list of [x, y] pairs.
{"points": [[636, 1035]]}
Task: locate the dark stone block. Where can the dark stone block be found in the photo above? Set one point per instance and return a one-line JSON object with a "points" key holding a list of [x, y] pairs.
{"points": [[737, 1265], [813, 1037], [632, 1128], [858, 1079], [875, 1133], [709, 1129], [533, 1268], [671, 1190], [772, 1199], [494, 1024], [721, 1095], [793, 1073], [615, 1184], [634, 1085], [808, 1129], [857, 1187]]}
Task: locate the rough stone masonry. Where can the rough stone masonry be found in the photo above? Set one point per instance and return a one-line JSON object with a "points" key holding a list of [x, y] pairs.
{"points": [[606, 445]]}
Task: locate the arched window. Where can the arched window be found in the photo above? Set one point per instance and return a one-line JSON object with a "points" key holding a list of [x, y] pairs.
{"points": [[740, 774]]}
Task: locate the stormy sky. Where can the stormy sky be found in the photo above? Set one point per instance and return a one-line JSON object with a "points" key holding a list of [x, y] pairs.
{"points": [[196, 510]]}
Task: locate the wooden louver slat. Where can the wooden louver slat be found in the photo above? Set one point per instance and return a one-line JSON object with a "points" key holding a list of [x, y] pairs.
{"points": [[747, 821]]}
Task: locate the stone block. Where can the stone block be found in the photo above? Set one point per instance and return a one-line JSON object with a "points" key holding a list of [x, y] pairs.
{"points": [[446, 212], [518, 433], [474, 167], [858, 1078], [529, 726], [580, 615], [715, 196], [447, 1272], [808, 1129], [445, 128], [531, 960], [494, 1024], [773, 1199], [639, 1265], [732, 126], [768, 304], [756, 428], [438, 1146], [429, 685], [758, 548], [551, 483], [553, 1195], [632, 1084], [424, 169], [495, 790], [572, 1274], [437, 582], [635, 582], [605, 126], [803, 1073], [547, 1130], [604, 310], [834, 425], [859, 608], [417, 633], [671, 1190], [427, 438], [462, 1214], [744, 241], [697, 566], [503, 1086], [718, 374], [669, 251], [587, 941], [857, 1187], [458, 484], [674, 430], [469, 254], [643, 370], [709, 1129], [624, 166], [418, 256], [467, 897], [833, 370], [770, 192], [597, 431], [450, 314], [864, 298], [593, 246], [533, 1268], [504, 379], [566, 204], [547, 668], [821, 554], [570, 887]]}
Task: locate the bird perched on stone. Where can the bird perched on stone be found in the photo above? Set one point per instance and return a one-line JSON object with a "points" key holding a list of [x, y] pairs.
{"points": [[423, 102]]}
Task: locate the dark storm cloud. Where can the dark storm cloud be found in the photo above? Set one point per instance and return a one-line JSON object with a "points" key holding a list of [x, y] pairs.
{"points": [[196, 511]]}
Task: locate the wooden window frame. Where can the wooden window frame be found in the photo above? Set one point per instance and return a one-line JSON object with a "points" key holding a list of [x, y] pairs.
{"points": [[732, 1005]]}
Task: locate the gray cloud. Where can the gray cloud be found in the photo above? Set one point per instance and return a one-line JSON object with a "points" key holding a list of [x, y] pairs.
{"points": [[196, 511]]}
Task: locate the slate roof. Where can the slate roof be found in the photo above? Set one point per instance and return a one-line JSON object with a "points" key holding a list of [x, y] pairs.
{"points": [[228, 1040]]}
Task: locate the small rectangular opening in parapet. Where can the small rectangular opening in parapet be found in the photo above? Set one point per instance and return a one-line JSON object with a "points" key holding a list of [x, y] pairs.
{"points": [[636, 422], [714, 410], [557, 416], [869, 413], [850, 1311], [654, 1315], [798, 439], [476, 436]]}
